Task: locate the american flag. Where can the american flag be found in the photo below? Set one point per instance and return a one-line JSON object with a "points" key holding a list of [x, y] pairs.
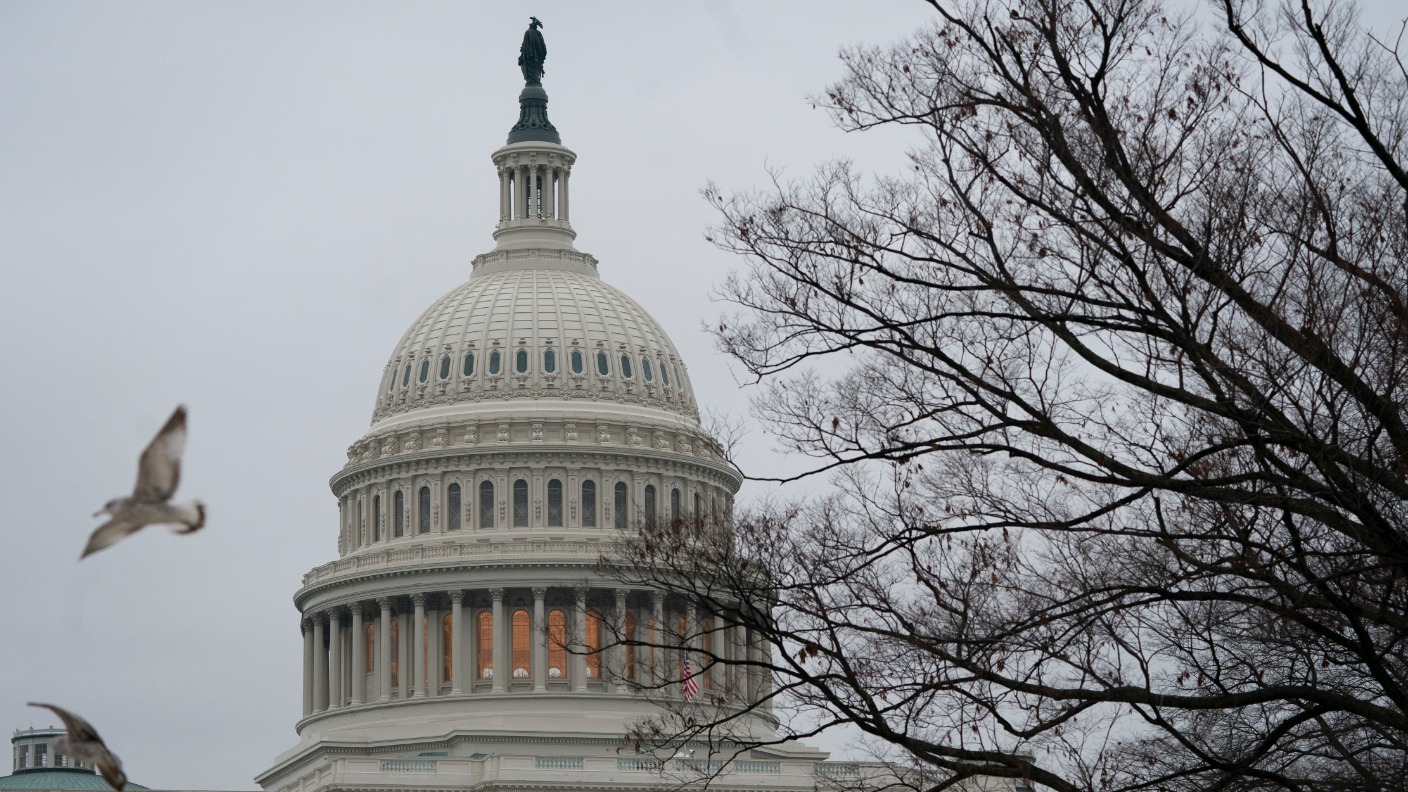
{"points": [[691, 684]]}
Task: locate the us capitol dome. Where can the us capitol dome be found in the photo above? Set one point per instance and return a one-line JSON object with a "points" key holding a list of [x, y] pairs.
{"points": [[523, 423]]}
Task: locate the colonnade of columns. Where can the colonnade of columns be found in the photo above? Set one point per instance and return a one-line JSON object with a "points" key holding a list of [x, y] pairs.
{"points": [[496, 640], [534, 191]]}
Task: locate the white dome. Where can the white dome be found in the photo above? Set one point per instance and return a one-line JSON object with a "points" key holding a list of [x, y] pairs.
{"points": [[534, 324]]}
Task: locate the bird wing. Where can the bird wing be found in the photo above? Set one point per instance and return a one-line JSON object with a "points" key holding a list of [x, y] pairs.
{"points": [[79, 730], [107, 535], [159, 471]]}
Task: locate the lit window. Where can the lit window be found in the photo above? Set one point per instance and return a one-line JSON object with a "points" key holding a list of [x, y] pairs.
{"points": [[555, 503], [376, 518], [645, 369], [589, 504], [577, 363], [486, 645], [447, 643], [494, 362], [522, 654], [398, 526], [592, 641], [557, 643], [468, 364], [453, 510], [550, 361], [445, 367], [486, 504], [649, 504], [424, 370], [628, 636], [395, 635], [620, 506], [520, 503], [424, 509], [626, 366], [369, 649], [601, 367]]}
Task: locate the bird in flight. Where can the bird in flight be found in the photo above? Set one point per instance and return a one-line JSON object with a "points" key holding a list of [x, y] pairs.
{"points": [[158, 473], [84, 744]]}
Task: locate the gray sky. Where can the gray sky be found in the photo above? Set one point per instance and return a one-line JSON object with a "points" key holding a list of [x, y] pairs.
{"points": [[242, 207]]}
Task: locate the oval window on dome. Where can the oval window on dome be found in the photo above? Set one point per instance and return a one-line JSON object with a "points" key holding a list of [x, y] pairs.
{"points": [[494, 362], [626, 366], [468, 364], [665, 373], [406, 376], [577, 363], [445, 367], [424, 370], [601, 366], [645, 369], [520, 362], [391, 381], [550, 361]]}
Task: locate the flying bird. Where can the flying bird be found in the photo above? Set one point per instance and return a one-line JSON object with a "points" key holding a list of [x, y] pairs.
{"points": [[158, 473], [84, 744]]}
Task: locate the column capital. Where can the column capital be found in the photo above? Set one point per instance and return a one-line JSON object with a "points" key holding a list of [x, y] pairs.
{"points": [[622, 593], [657, 597], [384, 602], [305, 624], [581, 594], [320, 617], [456, 595], [335, 611], [539, 592], [418, 599], [496, 594]]}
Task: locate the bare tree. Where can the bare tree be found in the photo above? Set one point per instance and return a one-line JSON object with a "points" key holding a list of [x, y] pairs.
{"points": [[1113, 385]]}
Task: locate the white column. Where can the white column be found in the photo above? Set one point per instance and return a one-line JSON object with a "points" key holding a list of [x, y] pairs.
{"points": [[500, 647], [550, 205], [334, 658], [524, 190], [657, 650], [306, 625], [456, 642], [566, 173], [320, 664], [383, 651], [578, 659], [418, 645], [503, 195], [619, 672], [359, 656], [539, 642]]}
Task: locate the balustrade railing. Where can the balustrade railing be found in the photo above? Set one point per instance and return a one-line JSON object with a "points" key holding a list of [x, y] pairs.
{"points": [[408, 765], [558, 762]]}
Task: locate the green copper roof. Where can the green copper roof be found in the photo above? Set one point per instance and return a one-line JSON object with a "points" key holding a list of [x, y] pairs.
{"points": [[60, 778]]}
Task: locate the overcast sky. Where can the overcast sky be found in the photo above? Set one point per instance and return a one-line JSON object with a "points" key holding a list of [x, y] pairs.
{"points": [[241, 207]]}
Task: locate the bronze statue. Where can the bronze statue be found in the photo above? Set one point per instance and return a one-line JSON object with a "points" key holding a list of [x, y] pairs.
{"points": [[532, 54]]}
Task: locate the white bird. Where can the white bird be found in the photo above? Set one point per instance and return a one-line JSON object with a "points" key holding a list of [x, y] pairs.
{"points": [[83, 743], [158, 473]]}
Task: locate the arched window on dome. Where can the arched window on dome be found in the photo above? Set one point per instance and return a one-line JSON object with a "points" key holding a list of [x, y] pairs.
{"points": [[376, 518], [423, 506], [554, 503], [626, 366], [447, 644], [520, 362], [674, 505], [620, 516], [424, 370], [520, 503], [557, 644], [452, 508], [549, 361], [369, 648], [650, 512], [628, 637], [591, 639], [577, 362], [485, 648], [391, 381], [522, 654], [698, 506], [445, 367], [588, 504], [486, 504], [468, 369], [665, 374], [645, 369], [406, 376], [495, 362], [602, 367], [398, 526]]}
